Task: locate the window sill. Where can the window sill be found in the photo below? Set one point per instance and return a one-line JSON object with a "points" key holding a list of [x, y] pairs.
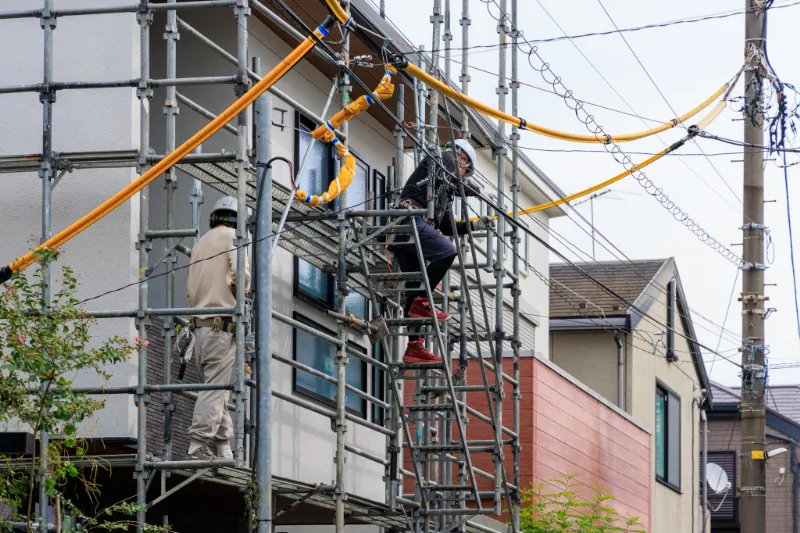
{"points": [[670, 486]]}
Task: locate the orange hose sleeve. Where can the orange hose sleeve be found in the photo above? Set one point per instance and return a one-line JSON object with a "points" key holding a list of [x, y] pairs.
{"points": [[489, 111]]}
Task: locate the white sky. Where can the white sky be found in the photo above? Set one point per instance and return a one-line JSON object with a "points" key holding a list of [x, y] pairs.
{"points": [[688, 62]]}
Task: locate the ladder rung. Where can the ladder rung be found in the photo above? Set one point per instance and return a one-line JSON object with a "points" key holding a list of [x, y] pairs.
{"points": [[409, 321], [432, 448], [420, 366], [443, 488], [430, 407], [397, 276]]}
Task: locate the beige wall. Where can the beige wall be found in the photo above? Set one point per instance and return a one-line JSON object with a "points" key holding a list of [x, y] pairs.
{"points": [[590, 356], [672, 512]]}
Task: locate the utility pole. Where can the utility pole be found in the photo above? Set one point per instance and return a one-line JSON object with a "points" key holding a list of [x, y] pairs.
{"points": [[752, 406]]}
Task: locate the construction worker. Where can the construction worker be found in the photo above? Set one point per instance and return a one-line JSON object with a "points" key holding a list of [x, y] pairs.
{"points": [[212, 283], [438, 252]]}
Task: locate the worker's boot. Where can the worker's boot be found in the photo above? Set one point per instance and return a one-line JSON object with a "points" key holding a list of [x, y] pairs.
{"points": [[417, 353], [421, 308], [200, 452]]}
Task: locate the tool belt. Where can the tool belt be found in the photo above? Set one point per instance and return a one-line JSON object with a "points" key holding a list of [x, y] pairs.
{"points": [[218, 323], [407, 203]]}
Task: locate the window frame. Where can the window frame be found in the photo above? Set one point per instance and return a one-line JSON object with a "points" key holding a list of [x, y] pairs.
{"points": [[303, 391], [666, 479], [309, 298]]}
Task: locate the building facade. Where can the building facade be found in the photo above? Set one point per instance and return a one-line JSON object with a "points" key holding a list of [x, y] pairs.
{"points": [[633, 342]]}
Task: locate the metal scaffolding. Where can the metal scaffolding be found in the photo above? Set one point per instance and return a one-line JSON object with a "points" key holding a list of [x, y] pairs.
{"points": [[433, 463]]}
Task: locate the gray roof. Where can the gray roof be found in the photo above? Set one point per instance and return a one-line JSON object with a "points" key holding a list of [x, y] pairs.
{"points": [[782, 399], [572, 294], [617, 295]]}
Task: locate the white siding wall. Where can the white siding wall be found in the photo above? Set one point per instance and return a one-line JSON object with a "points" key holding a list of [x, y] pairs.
{"points": [[100, 47]]}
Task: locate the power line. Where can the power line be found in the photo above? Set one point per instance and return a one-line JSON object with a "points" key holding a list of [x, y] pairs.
{"points": [[675, 22], [660, 92], [332, 57]]}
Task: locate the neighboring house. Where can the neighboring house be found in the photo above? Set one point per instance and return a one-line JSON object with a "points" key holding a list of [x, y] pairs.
{"points": [[724, 445], [634, 343]]}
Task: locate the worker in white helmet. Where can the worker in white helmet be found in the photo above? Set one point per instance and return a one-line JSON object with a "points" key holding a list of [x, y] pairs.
{"points": [[212, 283], [458, 163]]}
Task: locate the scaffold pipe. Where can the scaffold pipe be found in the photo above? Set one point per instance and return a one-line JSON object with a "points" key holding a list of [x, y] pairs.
{"points": [[522, 124], [170, 160], [326, 133]]}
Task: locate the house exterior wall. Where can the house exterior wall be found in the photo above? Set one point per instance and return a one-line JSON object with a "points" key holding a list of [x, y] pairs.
{"points": [[566, 429], [590, 356], [100, 47], [673, 512]]}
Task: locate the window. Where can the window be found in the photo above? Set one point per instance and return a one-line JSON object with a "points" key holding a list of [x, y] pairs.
{"points": [[668, 437], [318, 170], [671, 321], [313, 285], [321, 355], [725, 505]]}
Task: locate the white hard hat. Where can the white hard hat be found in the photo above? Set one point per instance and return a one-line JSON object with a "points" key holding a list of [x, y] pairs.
{"points": [[464, 146], [225, 212], [226, 203]]}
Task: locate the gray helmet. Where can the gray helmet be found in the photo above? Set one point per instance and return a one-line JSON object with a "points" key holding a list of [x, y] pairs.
{"points": [[225, 211], [463, 146]]}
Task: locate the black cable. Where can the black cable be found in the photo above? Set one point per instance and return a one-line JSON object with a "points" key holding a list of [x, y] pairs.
{"points": [[397, 121]]}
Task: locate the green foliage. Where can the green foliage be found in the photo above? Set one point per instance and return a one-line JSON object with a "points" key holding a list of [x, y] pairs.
{"points": [[564, 511], [43, 345]]}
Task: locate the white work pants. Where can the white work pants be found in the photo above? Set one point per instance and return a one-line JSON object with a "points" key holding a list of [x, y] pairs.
{"points": [[215, 352]]}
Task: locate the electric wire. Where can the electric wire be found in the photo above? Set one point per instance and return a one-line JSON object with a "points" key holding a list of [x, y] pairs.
{"points": [[660, 92], [480, 117], [334, 59], [648, 185]]}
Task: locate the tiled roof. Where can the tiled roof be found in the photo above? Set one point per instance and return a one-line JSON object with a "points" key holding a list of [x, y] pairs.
{"points": [[572, 294], [781, 399]]}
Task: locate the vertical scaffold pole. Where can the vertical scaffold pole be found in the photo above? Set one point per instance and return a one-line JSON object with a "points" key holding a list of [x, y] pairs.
{"points": [[144, 93], [47, 97], [464, 78], [241, 12], [447, 422], [263, 279], [394, 451], [171, 184], [517, 246], [499, 266], [341, 353]]}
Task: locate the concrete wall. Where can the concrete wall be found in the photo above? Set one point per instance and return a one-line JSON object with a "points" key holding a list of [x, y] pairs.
{"points": [[100, 47], [673, 512]]}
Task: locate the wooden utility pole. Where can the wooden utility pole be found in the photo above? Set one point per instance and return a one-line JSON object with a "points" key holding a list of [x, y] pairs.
{"points": [[752, 406]]}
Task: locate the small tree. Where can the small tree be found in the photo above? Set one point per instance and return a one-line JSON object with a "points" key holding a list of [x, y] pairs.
{"points": [[564, 511], [42, 348]]}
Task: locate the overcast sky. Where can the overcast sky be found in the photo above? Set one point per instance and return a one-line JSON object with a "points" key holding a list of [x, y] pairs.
{"points": [[688, 63]]}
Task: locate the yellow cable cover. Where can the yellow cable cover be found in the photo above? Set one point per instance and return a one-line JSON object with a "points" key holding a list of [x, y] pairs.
{"points": [[171, 159], [489, 111], [325, 133]]}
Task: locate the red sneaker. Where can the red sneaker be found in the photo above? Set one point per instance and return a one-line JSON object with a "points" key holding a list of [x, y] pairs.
{"points": [[417, 353], [422, 309]]}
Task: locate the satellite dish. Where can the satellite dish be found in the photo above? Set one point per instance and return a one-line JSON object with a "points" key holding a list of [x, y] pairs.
{"points": [[716, 478]]}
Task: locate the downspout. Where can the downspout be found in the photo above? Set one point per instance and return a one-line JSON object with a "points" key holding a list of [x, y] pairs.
{"points": [[794, 467], [620, 372], [704, 462]]}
